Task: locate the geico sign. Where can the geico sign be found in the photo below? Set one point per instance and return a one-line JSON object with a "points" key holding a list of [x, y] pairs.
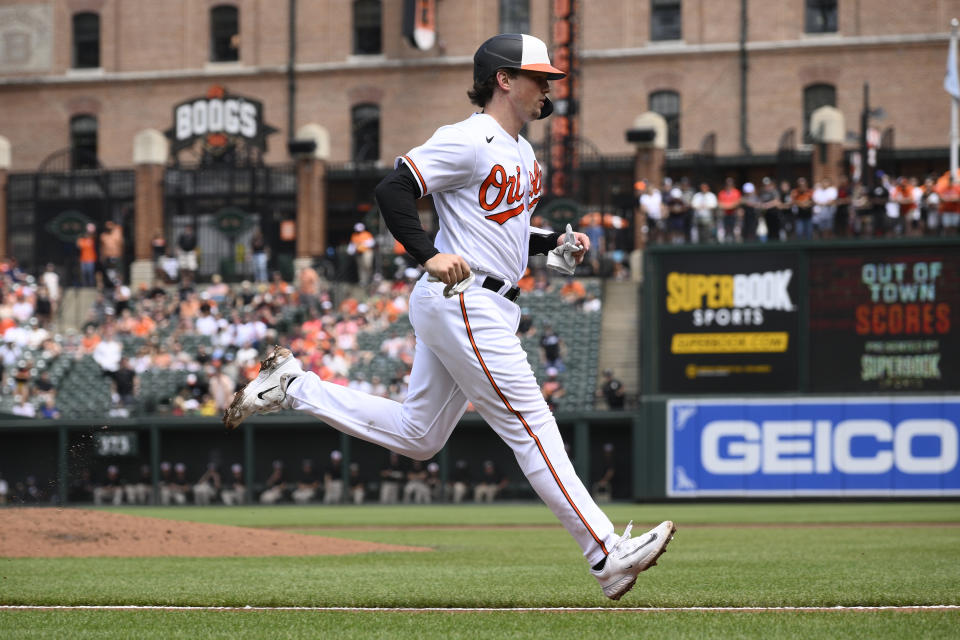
{"points": [[233, 116], [742, 447]]}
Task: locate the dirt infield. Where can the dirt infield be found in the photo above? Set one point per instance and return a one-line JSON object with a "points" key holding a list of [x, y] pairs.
{"points": [[78, 533]]}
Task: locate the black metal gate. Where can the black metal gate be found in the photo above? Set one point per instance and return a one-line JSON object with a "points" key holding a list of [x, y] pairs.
{"points": [[49, 209], [226, 204]]}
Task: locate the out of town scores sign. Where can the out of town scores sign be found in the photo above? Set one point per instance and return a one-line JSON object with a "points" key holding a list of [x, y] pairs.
{"points": [[217, 118]]}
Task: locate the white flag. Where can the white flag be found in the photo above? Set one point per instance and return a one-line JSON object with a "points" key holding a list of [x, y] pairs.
{"points": [[951, 81]]}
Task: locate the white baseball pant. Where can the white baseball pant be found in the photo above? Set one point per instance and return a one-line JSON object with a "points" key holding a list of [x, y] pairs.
{"points": [[467, 350]]}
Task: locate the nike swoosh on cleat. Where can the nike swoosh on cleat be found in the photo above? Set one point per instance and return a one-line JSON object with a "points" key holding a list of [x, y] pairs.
{"points": [[260, 395], [652, 538], [490, 139]]}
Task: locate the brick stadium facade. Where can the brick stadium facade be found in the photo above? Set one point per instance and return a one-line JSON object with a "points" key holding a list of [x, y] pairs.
{"points": [[737, 84]]}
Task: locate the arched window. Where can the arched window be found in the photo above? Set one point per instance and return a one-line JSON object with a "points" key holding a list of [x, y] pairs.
{"points": [[514, 16], [367, 27], [667, 104], [224, 33], [86, 41], [365, 121], [83, 141], [814, 97]]}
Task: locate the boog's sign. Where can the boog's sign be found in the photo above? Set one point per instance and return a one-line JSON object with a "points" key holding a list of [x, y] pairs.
{"points": [[216, 118], [813, 447]]}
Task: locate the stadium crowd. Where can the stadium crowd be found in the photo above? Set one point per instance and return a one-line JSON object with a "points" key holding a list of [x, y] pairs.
{"points": [[216, 335], [686, 211]]}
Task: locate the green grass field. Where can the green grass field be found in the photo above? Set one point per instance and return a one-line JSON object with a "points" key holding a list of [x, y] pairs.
{"points": [[517, 556]]}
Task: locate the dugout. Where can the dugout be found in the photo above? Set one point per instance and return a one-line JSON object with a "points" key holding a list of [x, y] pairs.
{"points": [[65, 455]]}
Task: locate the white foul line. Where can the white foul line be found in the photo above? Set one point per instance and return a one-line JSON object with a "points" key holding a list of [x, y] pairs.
{"points": [[908, 607]]}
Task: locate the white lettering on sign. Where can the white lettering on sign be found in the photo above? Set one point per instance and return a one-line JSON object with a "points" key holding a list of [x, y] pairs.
{"points": [[763, 290], [200, 117], [184, 122], [233, 116], [892, 283], [215, 115], [777, 447], [231, 120], [742, 455], [248, 120]]}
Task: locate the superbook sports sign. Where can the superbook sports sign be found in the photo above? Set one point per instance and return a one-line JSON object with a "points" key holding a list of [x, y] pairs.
{"points": [[728, 323], [810, 447]]}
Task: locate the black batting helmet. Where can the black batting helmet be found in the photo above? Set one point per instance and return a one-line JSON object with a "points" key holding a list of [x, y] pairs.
{"points": [[515, 51]]}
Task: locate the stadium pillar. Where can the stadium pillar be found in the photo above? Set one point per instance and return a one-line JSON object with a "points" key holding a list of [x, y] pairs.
{"points": [[150, 152], [581, 450], [649, 136], [311, 150], [4, 168], [828, 129]]}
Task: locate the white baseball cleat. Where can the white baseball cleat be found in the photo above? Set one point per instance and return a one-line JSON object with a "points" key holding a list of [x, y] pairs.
{"points": [[266, 392], [629, 556]]}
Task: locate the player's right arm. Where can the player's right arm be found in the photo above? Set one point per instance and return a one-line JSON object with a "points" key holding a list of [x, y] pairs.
{"points": [[445, 162], [397, 197]]}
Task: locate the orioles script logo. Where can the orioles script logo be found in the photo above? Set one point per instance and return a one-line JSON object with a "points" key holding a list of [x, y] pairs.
{"points": [[498, 187]]}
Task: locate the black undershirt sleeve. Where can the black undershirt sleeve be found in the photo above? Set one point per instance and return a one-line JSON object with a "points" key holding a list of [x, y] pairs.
{"points": [[543, 244], [397, 197]]}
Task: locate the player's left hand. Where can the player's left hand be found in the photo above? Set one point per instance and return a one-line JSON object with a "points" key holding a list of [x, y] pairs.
{"points": [[582, 240]]}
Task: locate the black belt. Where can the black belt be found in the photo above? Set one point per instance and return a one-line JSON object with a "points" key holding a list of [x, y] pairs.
{"points": [[495, 284]]}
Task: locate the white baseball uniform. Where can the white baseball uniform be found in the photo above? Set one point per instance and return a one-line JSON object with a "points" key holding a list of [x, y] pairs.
{"points": [[485, 185]]}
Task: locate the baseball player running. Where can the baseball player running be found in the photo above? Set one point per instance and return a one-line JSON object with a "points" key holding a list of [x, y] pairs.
{"points": [[485, 183]]}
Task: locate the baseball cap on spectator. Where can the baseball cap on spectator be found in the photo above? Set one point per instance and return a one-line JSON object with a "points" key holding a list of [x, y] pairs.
{"points": [[179, 467], [433, 467], [552, 371], [359, 227], [165, 466], [335, 455], [113, 469], [748, 187], [236, 467]]}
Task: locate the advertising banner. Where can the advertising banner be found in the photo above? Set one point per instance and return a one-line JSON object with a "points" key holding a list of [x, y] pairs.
{"points": [[218, 119], [884, 320], [728, 322], [903, 446]]}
